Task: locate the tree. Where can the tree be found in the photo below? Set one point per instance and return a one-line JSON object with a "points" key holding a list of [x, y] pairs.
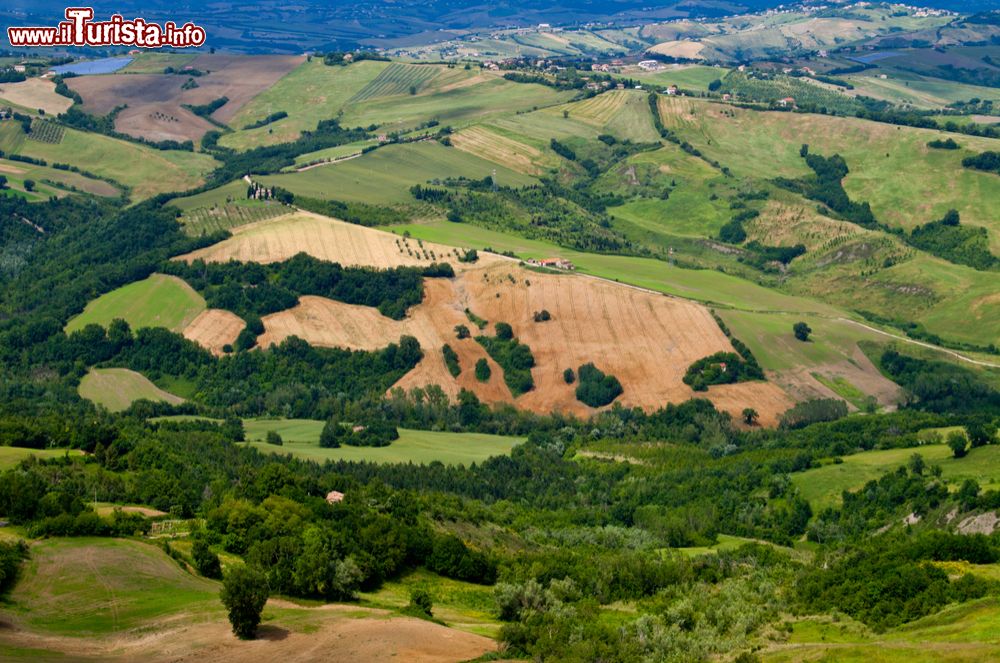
{"points": [[504, 331], [917, 464], [3, 181], [333, 434], [206, 562], [569, 377], [244, 593], [957, 443], [801, 331], [483, 370], [461, 331], [29, 185], [750, 416], [980, 434], [274, 438], [421, 602]]}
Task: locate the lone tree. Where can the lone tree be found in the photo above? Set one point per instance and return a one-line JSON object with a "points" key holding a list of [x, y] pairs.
{"points": [[802, 331], [957, 443], [244, 593], [750, 416], [421, 602]]}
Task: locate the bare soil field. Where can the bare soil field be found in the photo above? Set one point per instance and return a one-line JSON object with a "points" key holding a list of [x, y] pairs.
{"points": [[214, 328], [34, 94], [155, 101], [274, 240]]}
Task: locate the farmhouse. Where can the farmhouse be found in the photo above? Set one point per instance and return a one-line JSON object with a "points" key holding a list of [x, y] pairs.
{"points": [[649, 65], [553, 263], [786, 102], [672, 90], [334, 496]]}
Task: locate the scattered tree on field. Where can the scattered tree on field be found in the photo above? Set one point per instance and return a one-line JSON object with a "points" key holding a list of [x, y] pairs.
{"points": [[801, 331], [750, 416], [244, 593], [957, 443]]}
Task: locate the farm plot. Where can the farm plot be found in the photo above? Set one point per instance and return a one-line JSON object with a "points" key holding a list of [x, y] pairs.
{"points": [[492, 146], [396, 79], [35, 94], [158, 301], [386, 174], [51, 181], [145, 170], [214, 329], [624, 113], [117, 388], [207, 220], [46, 131], [324, 238]]}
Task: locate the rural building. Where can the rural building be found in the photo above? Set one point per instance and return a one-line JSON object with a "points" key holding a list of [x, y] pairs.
{"points": [[786, 102], [334, 496], [649, 65], [553, 263], [672, 90], [20, 68], [727, 97]]}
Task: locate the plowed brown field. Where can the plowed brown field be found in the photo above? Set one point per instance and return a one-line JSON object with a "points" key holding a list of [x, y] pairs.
{"points": [[214, 328]]}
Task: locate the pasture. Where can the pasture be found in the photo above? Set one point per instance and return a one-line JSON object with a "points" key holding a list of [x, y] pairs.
{"points": [[117, 388], [146, 171], [157, 301], [385, 175], [822, 486], [75, 603], [301, 439], [686, 77], [12, 456]]}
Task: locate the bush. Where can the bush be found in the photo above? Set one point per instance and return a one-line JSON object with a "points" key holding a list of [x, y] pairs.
{"points": [[958, 444], [569, 376], [461, 331], [244, 593], [421, 602], [274, 438], [451, 360], [595, 388], [801, 331], [483, 370], [206, 562], [542, 316]]}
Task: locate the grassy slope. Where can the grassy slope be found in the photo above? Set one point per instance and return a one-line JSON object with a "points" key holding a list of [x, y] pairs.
{"points": [[43, 190], [686, 77], [158, 301], [386, 175], [11, 456], [822, 486], [117, 388], [146, 170], [301, 438]]}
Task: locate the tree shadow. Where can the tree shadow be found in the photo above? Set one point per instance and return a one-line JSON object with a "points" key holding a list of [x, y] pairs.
{"points": [[271, 633]]}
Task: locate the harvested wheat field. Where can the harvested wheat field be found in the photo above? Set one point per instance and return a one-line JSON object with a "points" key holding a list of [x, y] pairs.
{"points": [[34, 94], [499, 149], [644, 339], [274, 240], [214, 328]]}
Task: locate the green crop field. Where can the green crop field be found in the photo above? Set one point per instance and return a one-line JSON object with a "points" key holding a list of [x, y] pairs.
{"points": [[50, 181], [686, 77], [158, 301], [117, 388], [386, 175], [822, 486], [301, 438], [309, 93], [394, 80], [622, 113], [331, 153], [11, 456], [145, 170]]}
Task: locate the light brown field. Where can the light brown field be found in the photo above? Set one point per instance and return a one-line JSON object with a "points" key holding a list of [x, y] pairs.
{"points": [[785, 224], [280, 238], [680, 49], [600, 110], [34, 94], [646, 340], [499, 149], [214, 328], [155, 101]]}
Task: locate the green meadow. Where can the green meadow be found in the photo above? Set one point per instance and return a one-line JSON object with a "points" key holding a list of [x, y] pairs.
{"points": [[822, 486], [301, 439], [11, 456], [386, 175], [49, 181], [145, 170], [117, 388], [157, 301]]}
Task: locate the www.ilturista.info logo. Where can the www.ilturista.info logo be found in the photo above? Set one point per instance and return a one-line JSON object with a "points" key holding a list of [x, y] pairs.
{"points": [[79, 29]]}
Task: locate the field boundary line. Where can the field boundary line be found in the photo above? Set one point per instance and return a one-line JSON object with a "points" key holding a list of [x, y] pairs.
{"points": [[931, 346]]}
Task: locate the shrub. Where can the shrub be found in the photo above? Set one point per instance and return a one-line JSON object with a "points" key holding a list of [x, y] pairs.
{"points": [[801, 331], [461, 331], [421, 602], [483, 371], [206, 562], [451, 360], [595, 388], [569, 376], [274, 438], [542, 316]]}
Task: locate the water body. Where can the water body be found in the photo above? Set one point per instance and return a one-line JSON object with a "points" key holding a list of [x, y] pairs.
{"points": [[874, 57], [88, 67]]}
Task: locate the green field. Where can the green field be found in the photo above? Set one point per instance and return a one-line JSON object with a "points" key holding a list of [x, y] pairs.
{"points": [[309, 93], [686, 77], [331, 153], [75, 587], [117, 388], [158, 301], [822, 486], [11, 456], [146, 171], [964, 633], [462, 605], [49, 181], [394, 80], [386, 175], [301, 438]]}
